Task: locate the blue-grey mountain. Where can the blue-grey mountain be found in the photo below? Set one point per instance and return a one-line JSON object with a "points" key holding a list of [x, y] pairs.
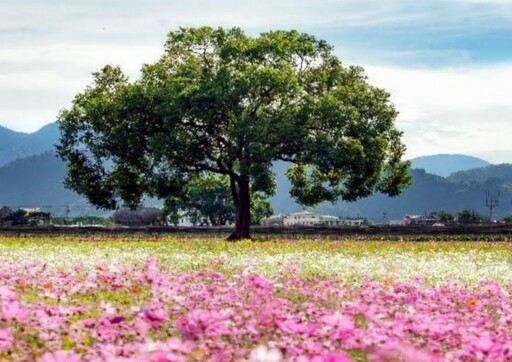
{"points": [[37, 181], [428, 193], [14, 145], [445, 164]]}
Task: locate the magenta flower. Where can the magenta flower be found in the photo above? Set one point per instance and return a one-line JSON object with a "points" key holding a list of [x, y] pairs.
{"points": [[6, 340], [201, 323], [335, 357], [60, 356], [14, 310], [260, 282]]}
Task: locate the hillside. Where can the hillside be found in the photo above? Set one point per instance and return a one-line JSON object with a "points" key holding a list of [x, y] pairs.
{"points": [[444, 164], [36, 181], [501, 172], [434, 193], [14, 145], [428, 193]]}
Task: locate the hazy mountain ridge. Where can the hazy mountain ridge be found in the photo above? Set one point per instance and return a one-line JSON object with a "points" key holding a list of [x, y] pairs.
{"points": [[37, 181], [446, 164], [14, 145], [501, 172], [462, 190], [430, 193]]}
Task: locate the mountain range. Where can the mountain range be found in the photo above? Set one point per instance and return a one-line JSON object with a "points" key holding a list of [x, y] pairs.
{"points": [[14, 145], [445, 164], [31, 175]]}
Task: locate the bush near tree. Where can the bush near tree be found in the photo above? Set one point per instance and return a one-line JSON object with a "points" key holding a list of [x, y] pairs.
{"points": [[443, 217], [507, 219], [208, 201], [469, 217], [22, 217]]}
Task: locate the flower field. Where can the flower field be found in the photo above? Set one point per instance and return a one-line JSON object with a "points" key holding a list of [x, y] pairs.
{"points": [[191, 299]]}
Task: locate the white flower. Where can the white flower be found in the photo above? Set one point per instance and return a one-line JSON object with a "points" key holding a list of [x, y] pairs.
{"points": [[265, 354]]}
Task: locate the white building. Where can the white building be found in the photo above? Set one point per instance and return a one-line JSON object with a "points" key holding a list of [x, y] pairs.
{"points": [[397, 222], [422, 220], [308, 218]]}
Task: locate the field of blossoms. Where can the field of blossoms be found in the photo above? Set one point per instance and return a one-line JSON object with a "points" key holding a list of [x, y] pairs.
{"points": [[202, 299]]}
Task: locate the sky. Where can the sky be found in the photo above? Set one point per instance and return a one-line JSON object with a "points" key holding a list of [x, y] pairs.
{"points": [[446, 63]]}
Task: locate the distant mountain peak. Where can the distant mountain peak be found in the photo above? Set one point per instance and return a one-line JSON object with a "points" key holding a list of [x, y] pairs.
{"points": [[446, 164], [14, 145]]}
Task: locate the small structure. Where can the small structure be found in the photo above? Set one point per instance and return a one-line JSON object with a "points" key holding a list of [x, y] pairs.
{"points": [[138, 217], [419, 220], [30, 210], [397, 222], [308, 218]]}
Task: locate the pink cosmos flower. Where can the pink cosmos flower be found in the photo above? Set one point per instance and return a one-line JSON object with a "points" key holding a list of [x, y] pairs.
{"points": [[259, 282], [342, 326], [14, 310], [155, 314], [6, 340], [200, 323], [335, 357], [293, 327], [396, 351], [7, 294], [60, 356]]}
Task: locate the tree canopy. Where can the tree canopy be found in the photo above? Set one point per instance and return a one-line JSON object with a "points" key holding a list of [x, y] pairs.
{"points": [[469, 217], [219, 101]]}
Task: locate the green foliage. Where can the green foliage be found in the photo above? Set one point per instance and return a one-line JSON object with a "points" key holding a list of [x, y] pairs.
{"points": [[261, 208], [209, 201], [81, 220], [90, 220], [220, 101], [18, 217], [443, 216], [507, 219], [21, 217], [469, 217]]}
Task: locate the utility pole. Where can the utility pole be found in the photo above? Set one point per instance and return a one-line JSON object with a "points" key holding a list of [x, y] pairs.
{"points": [[384, 216], [67, 212], [491, 202]]}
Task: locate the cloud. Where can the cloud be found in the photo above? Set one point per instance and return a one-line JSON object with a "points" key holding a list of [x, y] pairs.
{"points": [[36, 82], [458, 110], [447, 63]]}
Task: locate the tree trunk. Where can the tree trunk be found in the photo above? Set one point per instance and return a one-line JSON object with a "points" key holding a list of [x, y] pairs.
{"points": [[242, 198]]}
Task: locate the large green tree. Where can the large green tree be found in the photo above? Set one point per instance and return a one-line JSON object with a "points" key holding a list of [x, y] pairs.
{"points": [[223, 102]]}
